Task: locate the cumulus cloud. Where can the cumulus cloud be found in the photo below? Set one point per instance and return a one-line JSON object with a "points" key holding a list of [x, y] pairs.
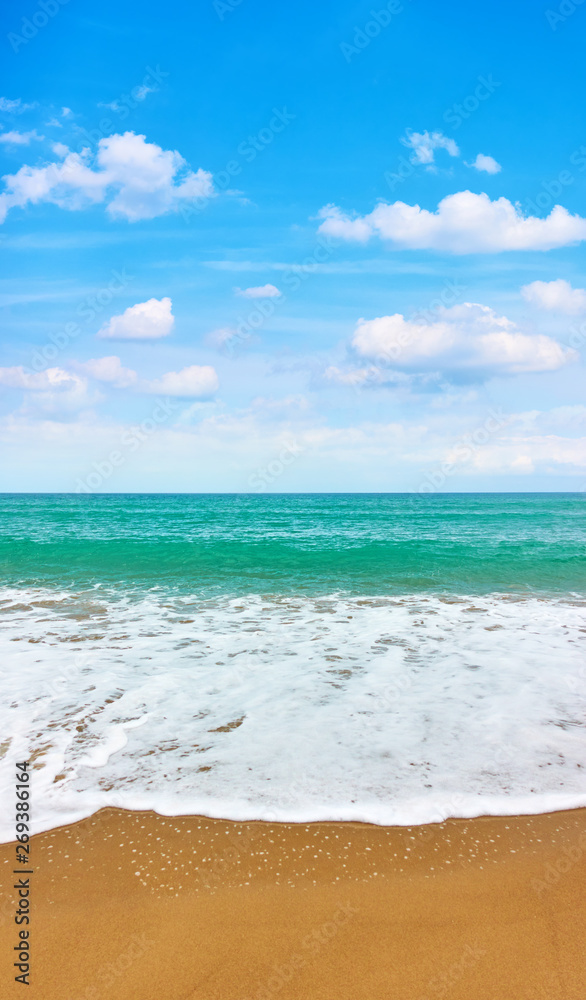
{"points": [[109, 370], [463, 223], [424, 145], [559, 296], [144, 321], [19, 138], [259, 292], [467, 342], [135, 178], [486, 163], [194, 382]]}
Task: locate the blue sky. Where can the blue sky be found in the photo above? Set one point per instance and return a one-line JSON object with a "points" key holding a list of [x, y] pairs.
{"points": [[303, 247]]}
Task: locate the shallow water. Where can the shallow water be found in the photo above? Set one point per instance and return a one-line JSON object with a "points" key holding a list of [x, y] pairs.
{"points": [[389, 659]]}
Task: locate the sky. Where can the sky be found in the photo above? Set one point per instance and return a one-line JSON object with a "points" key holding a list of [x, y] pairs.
{"points": [[258, 247]]}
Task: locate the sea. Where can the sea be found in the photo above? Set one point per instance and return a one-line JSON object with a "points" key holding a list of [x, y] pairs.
{"points": [[385, 658]]}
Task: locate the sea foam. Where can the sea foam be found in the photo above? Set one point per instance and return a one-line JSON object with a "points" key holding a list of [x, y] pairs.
{"points": [[395, 710]]}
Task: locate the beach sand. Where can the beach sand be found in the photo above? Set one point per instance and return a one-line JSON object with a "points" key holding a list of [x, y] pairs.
{"points": [[135, 905]]}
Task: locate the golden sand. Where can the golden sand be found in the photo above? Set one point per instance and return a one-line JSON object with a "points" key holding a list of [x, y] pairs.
{"points": [[135, 905]]}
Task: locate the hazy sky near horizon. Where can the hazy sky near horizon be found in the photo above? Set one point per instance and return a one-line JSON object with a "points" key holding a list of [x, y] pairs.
{"points": [[310, 247]]}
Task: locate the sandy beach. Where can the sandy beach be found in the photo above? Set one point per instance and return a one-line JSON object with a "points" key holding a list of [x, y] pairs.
{"points": [[136, 906]]}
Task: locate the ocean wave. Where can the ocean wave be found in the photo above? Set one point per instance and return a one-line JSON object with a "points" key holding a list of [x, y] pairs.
{"points": [[391, 709]]}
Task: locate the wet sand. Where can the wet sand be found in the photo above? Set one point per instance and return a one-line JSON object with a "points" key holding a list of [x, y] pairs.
{"points": [[135, 906]]}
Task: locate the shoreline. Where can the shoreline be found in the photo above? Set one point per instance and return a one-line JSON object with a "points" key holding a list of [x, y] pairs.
{"points": [[134, 906]]}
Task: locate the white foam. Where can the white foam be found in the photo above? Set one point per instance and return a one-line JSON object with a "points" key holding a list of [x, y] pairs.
{"points": [[387, 710]]}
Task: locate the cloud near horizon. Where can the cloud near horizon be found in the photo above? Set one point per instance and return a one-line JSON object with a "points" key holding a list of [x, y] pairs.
{"points": [[136, 179], [463, 223]]}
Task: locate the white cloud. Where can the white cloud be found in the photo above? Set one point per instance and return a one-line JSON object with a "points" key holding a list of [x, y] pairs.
{"points": [[555, 295], [463, 223], [352, 377], [66, 112], [194, 382], [228, 452], [109, 370], [137, 179], [15, 107], [524, 454], [19, 378], [51, 390], [358, 377], [468, 341], [486, 163], [373, 375], [19, 138], [59, 149], [561, 418], [259, 292], [425, 143], [144, 321]]}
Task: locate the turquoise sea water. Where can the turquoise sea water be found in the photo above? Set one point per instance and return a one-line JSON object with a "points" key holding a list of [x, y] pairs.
{"points": [[387, 658], [354, 543]]}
